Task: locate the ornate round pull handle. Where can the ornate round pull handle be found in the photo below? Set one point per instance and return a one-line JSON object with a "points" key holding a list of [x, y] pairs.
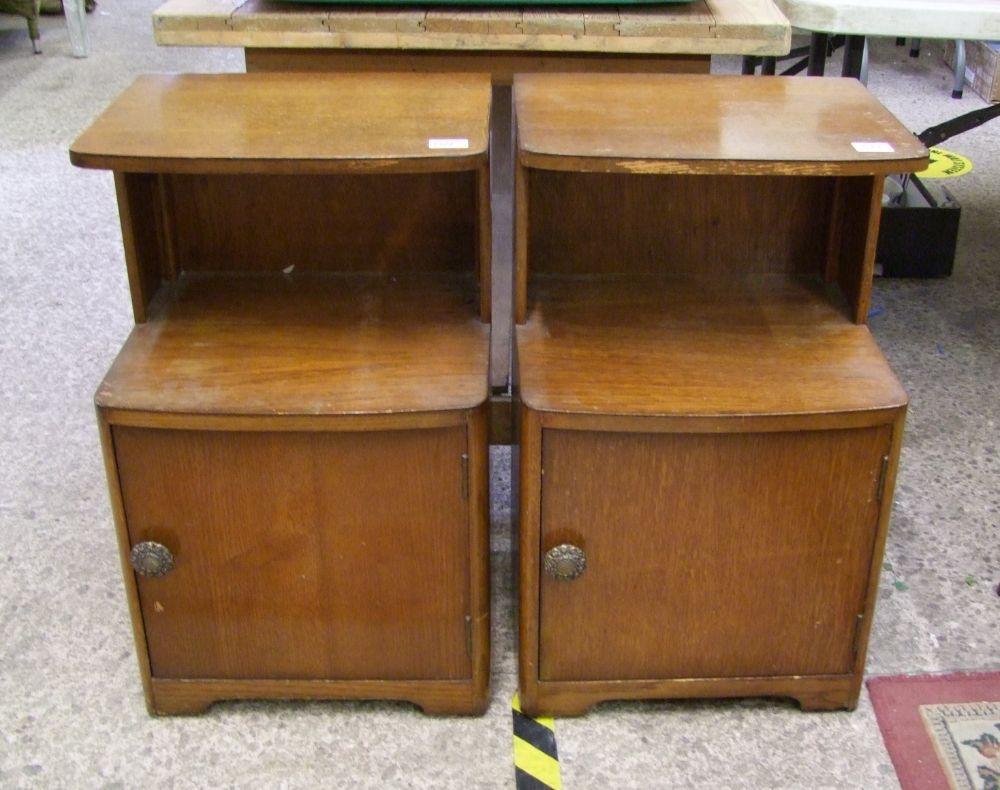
{"points": [[150, 558], [565, 562]]}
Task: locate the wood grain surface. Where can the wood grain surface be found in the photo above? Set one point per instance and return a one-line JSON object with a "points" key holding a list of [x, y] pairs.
{"points": [[715, 226], [707, 124], [701, 27], [269, 122], [386, 224], [708, 555], [305, 345], [302, 555], [699, 347], [500, 65]]}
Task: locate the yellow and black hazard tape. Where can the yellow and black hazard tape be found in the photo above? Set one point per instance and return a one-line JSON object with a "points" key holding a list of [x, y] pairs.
{"points": [[536, 760]]}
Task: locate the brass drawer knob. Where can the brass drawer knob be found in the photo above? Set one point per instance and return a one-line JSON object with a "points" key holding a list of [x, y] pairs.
{"points": [[565, 562], [150, 558]]}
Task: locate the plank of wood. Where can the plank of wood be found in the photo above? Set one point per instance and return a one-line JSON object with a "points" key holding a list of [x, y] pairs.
{"points": [[319, 345], [602, 23], [708, 124], [551, 21], [290, 123], [194, 16], [685, 21], [756, 19], [702, 27], [480, 22]]}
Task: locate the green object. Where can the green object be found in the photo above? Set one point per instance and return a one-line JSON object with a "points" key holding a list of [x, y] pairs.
{"points": [[29, 9], [497, 2]]}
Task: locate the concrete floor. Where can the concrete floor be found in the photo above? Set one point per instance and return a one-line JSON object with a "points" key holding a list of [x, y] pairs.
{"points": [[71, 711]]}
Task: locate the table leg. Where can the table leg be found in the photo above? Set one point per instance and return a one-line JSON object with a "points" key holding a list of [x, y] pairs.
{"points": [[853, 53], [817, 54], [76, 25], [959, 85]]}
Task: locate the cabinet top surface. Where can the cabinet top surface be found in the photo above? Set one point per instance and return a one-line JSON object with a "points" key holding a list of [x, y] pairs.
{"points": [[266, 345], [708, 124], [684, 346], [291, 123]]}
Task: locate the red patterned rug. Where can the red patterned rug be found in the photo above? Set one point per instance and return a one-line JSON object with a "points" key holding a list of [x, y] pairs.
{"points": [[942, 731]]}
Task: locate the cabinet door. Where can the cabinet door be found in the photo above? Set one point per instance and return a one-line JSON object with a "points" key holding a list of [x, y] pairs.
{"points": [[708, 555], [302, 555]]}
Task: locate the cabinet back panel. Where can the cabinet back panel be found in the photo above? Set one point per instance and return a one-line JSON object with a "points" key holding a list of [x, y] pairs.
{"points": [[597, 223], [352, 223]]}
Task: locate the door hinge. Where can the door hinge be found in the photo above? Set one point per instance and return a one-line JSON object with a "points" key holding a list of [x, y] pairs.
{"points": [[468, 634], [465, 475], [883, 473]]}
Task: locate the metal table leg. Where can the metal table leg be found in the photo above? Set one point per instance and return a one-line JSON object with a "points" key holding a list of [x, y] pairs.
{"points": [[853, 53], [817, 54], [76, 24], [959, 85]]}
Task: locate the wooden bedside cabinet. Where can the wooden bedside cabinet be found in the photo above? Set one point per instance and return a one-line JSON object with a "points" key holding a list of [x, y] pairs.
{"points": [[708, 431], [295, 432]]}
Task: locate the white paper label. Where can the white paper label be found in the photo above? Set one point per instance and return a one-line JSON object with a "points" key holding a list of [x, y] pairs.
{"points": [[448, 142], [872, 148]]}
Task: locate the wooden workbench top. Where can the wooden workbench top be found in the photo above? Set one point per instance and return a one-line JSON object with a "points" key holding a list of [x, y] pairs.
{"points": [[693, 123], [275, 123], [702, 27]]}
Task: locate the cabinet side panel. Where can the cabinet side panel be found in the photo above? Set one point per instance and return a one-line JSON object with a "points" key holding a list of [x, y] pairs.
{"points": [[140, 213], [675, 224], [708, 555], [302, 555], [860, 215], [346, 223]]}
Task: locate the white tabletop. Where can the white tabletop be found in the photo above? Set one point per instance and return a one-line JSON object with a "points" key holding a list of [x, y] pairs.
{"points": [[968, 19]]}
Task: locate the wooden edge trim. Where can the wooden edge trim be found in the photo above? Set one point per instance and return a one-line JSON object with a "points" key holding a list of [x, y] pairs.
{"points": [[172, 696], [747, 167], [768, 39], [530, 510], [570, 698], [521, 177], [718, 424], [218, 166], [484, 240], [878, 548], [871, 242], [479, 549], [124, 548], [133, 266], [289, 422]]}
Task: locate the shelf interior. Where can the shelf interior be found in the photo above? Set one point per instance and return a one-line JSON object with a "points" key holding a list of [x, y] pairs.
{"points": [[305, 343], [680, 345]]}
